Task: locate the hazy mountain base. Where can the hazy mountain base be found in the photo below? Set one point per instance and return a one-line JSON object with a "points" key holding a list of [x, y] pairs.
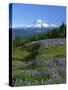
{"points": [[47, 67]]}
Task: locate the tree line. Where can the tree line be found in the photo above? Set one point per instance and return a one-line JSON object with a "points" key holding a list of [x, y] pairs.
{"points": [[59, 32]]}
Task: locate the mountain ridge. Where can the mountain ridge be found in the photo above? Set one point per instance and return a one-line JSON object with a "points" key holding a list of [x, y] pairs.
{"points": [[38, 24]]}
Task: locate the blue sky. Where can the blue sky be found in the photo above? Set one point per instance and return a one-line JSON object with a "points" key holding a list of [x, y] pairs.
{"points": [[25, 14]]}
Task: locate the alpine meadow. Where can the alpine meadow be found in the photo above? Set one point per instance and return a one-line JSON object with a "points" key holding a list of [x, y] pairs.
{"points": [[38, 44]]}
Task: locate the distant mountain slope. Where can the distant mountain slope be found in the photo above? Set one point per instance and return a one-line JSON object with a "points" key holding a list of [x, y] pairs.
{"points": [[40, 24], [28, 31], [36, 27]]}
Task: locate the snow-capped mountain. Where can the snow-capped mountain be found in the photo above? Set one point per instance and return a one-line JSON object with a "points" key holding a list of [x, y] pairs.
{"points": [[40, 24], [36, 27]]}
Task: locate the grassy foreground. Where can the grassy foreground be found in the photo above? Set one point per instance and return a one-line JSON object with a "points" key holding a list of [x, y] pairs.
{"points": [[48, 67]]}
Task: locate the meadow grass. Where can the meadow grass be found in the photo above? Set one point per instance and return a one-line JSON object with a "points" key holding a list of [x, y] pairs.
{"points": [[19, 53], [22, 73], [58, 50]]}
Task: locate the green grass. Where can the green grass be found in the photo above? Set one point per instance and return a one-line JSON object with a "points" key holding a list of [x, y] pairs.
{"points": [[19, 53], [18, 66], [58, 50]]}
